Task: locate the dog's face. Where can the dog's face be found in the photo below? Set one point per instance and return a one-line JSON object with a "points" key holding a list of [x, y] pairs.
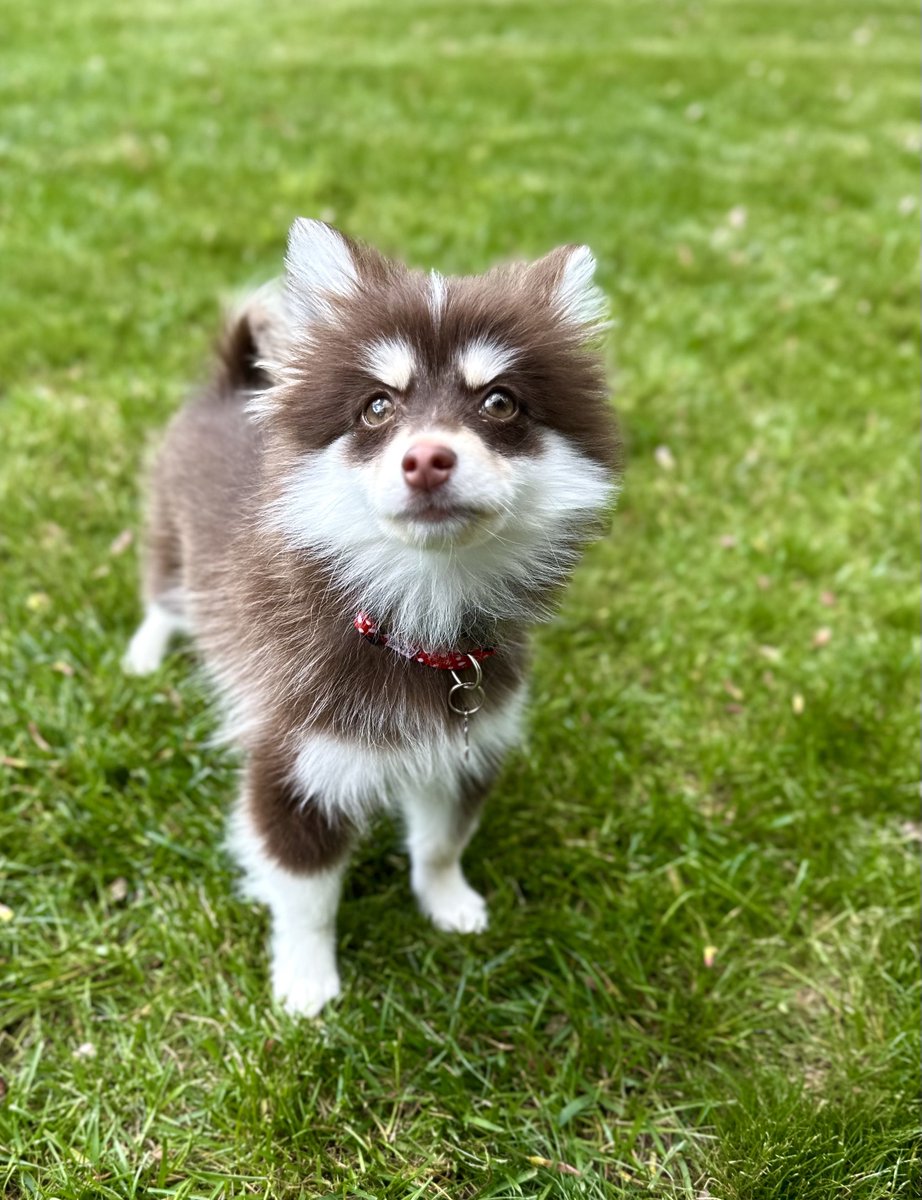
{"points": [[463, 417]]}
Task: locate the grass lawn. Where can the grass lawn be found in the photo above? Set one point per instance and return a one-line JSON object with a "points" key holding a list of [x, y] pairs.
{"points": [[701, 977]]}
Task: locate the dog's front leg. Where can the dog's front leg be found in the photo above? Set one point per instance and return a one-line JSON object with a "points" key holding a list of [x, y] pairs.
{"points": [[440, 821], [294, 853]]}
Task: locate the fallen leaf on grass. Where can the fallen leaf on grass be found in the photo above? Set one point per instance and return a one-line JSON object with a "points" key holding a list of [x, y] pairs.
{"points": [[685, 255], [562, 1167], [710, 953], [728, 541], [36, 737], [732, 690], [822, 637], [797, 704], [37, 601], [17, 763], [772, 653], [6, 914], [62, 668], [828, 599], [118, 889], [120, 544], [500, 1045], [664, 458], [763, 583], [51, 534], [85, 1050]]}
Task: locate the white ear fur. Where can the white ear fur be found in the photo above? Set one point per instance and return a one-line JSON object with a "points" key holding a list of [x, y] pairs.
{"points": [[319, 266], [577, 297]]}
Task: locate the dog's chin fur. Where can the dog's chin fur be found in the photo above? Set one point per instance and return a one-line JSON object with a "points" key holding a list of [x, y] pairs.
{"points": [[443, 531], [502, 566], [277, 511]]}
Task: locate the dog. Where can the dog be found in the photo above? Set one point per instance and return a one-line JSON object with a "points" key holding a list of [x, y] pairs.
{"points": [[381, 490]]}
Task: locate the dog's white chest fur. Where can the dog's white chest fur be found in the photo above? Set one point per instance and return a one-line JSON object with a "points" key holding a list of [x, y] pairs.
{"points": [[355, 777]]}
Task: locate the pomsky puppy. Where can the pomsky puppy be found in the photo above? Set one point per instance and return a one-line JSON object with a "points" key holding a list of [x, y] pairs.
{"points": [[384, 485]]}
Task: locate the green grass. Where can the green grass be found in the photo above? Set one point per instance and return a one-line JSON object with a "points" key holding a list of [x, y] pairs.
{"points": [[700, 771]]}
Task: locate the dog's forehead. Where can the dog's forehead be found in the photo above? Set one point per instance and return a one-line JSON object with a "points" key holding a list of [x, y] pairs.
{"points": [[464, 329], [402, 363]]}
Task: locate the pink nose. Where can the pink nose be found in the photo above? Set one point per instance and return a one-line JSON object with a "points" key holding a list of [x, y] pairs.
{"points": [[427, 465]]}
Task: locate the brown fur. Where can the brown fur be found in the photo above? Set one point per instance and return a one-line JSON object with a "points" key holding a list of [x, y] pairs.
{"points": [[298, 834]]}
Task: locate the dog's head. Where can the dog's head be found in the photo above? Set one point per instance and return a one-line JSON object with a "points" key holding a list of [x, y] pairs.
{"points": [[424, 424]]}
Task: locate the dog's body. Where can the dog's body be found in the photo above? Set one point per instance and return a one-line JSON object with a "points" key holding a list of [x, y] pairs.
{"points": [[385, 451]]}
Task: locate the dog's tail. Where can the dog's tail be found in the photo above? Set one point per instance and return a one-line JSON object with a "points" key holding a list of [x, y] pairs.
{"points": [[253, 340]]}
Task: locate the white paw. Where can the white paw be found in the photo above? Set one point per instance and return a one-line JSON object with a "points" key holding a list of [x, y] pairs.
{"points": [[455, 907], [305, 994], [140, 658], [152, 637]]}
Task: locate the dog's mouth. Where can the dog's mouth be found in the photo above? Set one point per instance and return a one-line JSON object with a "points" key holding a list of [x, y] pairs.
{"points": [[427, 521], [434, 512]]}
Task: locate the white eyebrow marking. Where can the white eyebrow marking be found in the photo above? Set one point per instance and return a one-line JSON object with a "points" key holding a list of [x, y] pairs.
{"points": [[391, 361], [437, 290], [483, 359]]}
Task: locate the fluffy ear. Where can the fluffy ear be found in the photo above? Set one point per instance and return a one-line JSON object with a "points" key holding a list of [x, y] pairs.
{"points": [[566, 277], [320, 267]]}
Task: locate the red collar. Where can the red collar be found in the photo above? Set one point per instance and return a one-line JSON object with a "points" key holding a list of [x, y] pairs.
{"points": [[448, 660]]}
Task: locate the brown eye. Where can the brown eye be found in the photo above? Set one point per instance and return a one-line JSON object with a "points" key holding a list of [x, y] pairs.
{"points": [[378, 411], [499, 406]]}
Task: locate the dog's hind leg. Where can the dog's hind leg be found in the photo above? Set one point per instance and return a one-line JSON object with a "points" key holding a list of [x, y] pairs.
{"points": [[150, 641], [162, 580]]}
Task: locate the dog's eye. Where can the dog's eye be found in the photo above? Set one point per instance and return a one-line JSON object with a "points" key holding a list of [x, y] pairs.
{"points": [[378, 411], [499, 406]]}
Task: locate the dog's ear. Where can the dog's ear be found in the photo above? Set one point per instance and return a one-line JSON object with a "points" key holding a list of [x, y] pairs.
{"points": [[320, 268], [324, 268], [565, 280]]}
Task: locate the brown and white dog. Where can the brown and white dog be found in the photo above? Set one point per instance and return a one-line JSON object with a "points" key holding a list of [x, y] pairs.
{"points": [[384, 486]]}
